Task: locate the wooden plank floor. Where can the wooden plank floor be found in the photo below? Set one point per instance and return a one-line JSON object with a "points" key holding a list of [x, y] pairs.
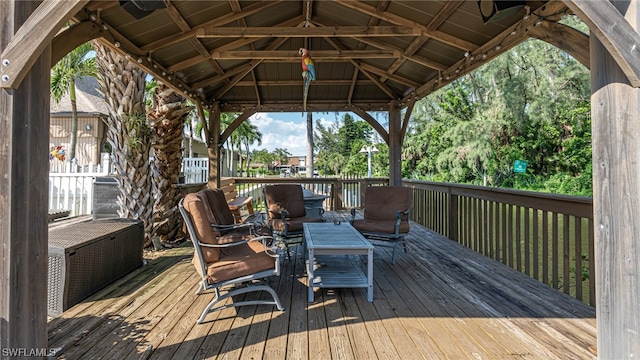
{"points": [[439, 300]]}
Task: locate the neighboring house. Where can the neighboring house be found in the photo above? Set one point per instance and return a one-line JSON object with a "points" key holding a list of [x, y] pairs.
{"points": [[91, 127]]}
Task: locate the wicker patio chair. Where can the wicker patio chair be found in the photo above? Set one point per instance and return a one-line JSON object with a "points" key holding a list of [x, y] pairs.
{"points": [[227, 255], [386, 215], [284, 204]]}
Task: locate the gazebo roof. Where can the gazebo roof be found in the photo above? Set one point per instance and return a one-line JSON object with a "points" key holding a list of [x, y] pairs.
{"points": [[244, 54]]}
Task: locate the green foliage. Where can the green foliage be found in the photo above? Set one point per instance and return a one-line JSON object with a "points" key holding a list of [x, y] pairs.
{"points": [[532, 103], [139, 134]]}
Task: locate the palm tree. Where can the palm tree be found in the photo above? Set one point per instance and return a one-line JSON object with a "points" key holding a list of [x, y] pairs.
{"points": [[64, 74], [123, 86], [167, 114], [247, 135]]}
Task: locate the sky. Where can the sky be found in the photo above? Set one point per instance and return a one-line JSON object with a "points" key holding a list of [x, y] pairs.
{"points": [[287, 130]]}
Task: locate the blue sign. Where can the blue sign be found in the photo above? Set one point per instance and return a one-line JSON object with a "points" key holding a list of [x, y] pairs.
{"points": [[519, 166]]}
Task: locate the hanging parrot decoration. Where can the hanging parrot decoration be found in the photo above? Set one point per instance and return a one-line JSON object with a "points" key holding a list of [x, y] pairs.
{"points": [[308, 73]]}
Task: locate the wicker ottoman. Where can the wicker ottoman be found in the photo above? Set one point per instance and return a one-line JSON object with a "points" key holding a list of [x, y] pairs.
{"points": [[87, 256]]}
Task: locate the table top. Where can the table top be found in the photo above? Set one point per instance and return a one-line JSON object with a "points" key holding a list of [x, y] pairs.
{"points": [[328, 235]]}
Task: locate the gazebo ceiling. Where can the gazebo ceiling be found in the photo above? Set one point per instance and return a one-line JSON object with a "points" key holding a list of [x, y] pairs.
{"points": [[244, 54]]}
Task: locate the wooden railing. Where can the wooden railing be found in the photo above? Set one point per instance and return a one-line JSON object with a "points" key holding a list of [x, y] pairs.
{"points": [[548, 237], [343, 193]]}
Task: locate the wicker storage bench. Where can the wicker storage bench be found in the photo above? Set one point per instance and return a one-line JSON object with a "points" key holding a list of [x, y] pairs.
{"points": [[85, 257]]}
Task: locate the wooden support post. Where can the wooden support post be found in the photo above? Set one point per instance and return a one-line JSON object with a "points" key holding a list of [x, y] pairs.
{"points": [[395, 145], [615, 108], [214, 147], [24, 142]]}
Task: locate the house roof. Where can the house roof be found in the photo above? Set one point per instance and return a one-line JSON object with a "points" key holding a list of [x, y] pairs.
{"points": [[244, 54], [88, 99]]}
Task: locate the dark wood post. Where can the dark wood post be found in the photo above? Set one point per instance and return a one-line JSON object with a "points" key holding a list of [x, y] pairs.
{"points": [[24, 167], [615, 108], [214, 147], [395, 145]]}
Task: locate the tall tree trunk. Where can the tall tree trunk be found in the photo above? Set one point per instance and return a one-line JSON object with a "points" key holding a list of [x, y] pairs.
{"points": [[123, 86], [74, 121], [167, 123]]}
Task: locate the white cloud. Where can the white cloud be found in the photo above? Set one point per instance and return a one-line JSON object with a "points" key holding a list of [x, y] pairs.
{"points": [[285, 131]]}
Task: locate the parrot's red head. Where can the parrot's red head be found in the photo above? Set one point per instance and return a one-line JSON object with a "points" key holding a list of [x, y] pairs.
{"points": [[303, 52]]}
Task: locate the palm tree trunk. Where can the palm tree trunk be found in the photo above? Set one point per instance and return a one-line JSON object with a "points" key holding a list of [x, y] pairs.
{"points": [[123, 86], [74, 120], [167, 123]]}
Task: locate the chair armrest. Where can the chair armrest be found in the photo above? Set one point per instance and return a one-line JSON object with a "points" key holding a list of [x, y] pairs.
{"points": [[232, 227], [399, 214], [267, 249]]}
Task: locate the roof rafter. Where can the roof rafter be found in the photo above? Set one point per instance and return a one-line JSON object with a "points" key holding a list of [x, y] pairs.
{"points": [[236, 8], [389, 47], [184, 26], [339, 46], [336, 31], [399, 20], [292, 55], [219, 21], [447, 10], [274, 45], [296, 21]]}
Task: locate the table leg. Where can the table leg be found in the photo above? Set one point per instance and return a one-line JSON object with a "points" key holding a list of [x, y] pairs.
{"points": [[310, 274], [370, 275]]}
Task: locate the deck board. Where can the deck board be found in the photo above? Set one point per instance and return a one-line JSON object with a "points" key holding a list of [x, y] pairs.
{"points": [[439, 300]]}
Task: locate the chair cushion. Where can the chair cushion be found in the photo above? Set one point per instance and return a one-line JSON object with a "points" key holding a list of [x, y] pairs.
{"points": [[294, 224], [287, 197], [216, 204], [382, 202], [379, 226], [239, 261], [202, 226]]}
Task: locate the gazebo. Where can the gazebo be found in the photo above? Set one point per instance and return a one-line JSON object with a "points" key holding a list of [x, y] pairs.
{"points": [[233, 56]]}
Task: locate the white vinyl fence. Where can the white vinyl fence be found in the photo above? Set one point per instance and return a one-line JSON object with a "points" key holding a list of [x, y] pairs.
{"points": [[71, 187]]}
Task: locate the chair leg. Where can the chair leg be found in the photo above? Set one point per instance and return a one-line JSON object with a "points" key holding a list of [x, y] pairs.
{"points": [[393, 255], [218, 298]]}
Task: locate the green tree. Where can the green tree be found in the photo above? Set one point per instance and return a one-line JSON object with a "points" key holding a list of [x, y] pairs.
{"points": [[65, 73], [248, 134], [531, 103], [264, 157], [282, 156]]}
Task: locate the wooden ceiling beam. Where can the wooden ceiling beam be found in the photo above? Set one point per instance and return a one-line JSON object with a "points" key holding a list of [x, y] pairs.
{"points": [[421, 60], [234, 125], [399, 20], [447, 10], [299, 82], [314, 106], [296, 21], [384, 134], [292, 55], [614, 31], [219, 21], [393, 77], [566, 38], [510, 37], [33, 36], [339, 46], [236, 8], [274, 45], [179, 20], [321, 31]]}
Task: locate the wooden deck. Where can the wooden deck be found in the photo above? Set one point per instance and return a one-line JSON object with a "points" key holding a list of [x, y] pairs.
{"points": [[440, 300]]}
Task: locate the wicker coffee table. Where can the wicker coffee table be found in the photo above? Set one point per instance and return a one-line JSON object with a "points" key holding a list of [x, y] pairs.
{"points": [[328, 246]]}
